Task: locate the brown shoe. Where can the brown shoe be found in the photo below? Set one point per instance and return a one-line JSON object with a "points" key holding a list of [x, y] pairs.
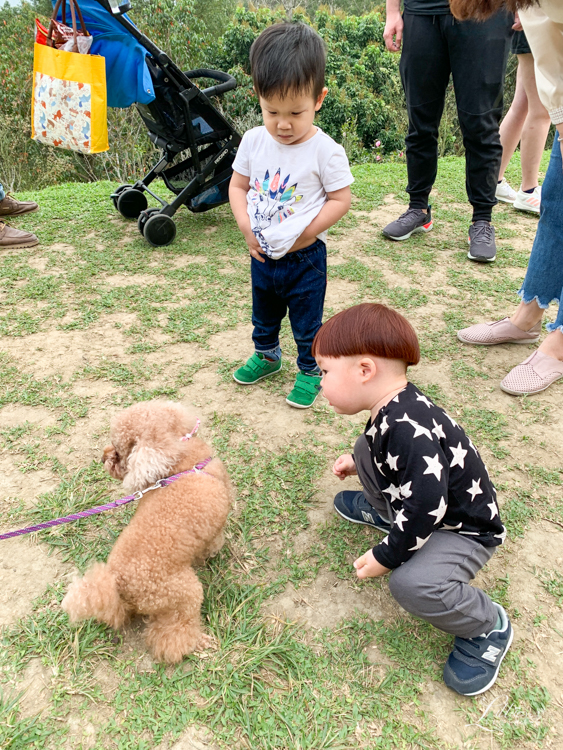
{"points": [[11, 207], [11, 238]]}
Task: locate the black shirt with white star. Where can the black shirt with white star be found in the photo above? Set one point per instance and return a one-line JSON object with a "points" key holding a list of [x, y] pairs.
{"points": [[432, 475]]}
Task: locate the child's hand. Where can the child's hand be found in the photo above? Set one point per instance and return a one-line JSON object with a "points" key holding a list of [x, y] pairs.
{"points": [[254, 247], [344, 466], [368, 567]]}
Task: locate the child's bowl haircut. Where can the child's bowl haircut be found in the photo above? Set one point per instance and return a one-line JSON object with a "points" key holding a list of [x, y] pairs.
{"points": [[369, 328], [288, 58]]}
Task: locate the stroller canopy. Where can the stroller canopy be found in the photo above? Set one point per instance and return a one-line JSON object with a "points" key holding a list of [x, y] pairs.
{"points": [[127, 75]]}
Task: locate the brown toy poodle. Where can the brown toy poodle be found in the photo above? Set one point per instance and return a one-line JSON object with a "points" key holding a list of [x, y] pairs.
{"points": [[149, 571]]}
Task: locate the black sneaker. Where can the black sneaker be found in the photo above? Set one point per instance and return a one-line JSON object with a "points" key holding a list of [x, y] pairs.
{"points": [[413, 220], [355, 508], [482, 246], [473, 665]]}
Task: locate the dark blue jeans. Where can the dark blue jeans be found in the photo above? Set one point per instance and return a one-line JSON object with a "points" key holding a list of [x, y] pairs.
{"points": [[294, 283]]}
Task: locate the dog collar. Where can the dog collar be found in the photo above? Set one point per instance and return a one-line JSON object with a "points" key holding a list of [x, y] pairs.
{"points": [[193, 432]]}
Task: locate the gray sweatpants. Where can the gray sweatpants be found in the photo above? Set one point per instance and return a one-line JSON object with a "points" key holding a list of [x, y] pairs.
{"points": [[434, 583]]}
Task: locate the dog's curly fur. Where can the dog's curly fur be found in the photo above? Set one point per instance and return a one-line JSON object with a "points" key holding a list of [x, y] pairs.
{"points": [[149, 570]]}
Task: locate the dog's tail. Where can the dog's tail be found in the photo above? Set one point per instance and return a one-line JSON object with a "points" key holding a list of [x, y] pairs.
{"points": [[96, 595]]}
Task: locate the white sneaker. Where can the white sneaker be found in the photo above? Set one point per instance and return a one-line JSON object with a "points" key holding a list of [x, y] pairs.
{"points": [[528, 201], [504, 192]]}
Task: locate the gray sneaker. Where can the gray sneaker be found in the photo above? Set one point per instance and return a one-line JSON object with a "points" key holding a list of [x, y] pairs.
{"points": [[413, 220], [482, 246]]}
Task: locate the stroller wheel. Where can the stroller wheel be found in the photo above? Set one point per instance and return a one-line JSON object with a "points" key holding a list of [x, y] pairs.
{"points": [[131, 202], [143, 218], [159, 230], [115, 195]]}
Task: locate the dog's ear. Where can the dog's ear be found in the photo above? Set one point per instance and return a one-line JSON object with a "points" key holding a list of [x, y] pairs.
{"points": [[112, 462], [109, 457], [145, 465]]}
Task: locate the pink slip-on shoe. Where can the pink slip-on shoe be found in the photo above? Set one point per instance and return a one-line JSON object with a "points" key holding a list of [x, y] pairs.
{"points": [[533, 375], [500, 332]]}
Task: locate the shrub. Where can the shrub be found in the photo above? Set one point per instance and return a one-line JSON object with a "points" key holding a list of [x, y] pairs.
{"points": [[175, 25], [362, 77], [364, 106]]}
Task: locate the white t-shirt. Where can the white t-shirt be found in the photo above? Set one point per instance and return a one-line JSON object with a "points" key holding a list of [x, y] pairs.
{"points": [[288, 184]]}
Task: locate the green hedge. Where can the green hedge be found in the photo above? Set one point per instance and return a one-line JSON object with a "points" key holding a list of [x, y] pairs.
{"points": [[176, 25], [365, 100], [364, 109]]}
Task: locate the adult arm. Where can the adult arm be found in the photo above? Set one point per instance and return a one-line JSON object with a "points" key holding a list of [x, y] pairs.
{"points": [[393, 32], [545, 37]]}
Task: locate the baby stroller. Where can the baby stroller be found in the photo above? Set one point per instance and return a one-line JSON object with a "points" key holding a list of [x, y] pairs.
{"points": [[198, 145]]}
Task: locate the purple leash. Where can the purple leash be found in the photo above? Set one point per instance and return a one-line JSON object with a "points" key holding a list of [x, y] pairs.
{"points": [[198, 469]]}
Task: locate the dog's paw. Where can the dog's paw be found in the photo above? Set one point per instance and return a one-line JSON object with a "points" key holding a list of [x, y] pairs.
{"points": [[205, 643]]}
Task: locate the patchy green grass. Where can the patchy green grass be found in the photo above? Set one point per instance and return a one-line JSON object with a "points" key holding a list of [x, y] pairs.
{"points": [[143, 319]]}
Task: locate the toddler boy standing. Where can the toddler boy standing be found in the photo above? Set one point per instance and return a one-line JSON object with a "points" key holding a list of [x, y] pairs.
{"points": [[290, 183]]}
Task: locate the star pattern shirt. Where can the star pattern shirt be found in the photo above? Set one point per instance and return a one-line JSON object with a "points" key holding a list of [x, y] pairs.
{"points": [[432, 476]]}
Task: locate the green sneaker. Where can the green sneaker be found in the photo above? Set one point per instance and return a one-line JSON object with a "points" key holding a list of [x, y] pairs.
{"points": [[305, 391], [256, 368]]}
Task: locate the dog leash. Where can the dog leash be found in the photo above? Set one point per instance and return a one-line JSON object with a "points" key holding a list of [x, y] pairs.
{"points": [[198, 469]]}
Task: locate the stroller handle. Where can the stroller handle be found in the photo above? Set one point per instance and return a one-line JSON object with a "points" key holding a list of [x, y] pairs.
{"points": [[228, 83]]}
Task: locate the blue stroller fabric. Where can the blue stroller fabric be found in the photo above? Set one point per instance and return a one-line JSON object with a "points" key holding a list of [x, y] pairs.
{"points": [[127, 75]]}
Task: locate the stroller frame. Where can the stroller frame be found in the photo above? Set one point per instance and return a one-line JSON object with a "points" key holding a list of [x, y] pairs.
{"points": [[211, 154]]}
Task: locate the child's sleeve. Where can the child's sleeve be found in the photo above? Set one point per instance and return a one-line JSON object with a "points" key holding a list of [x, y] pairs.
{"points": [[336, 174], [420, 495], [241, 163]]}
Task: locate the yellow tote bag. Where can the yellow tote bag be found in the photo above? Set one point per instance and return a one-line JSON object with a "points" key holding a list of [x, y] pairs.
{"points": [[69, 102]]}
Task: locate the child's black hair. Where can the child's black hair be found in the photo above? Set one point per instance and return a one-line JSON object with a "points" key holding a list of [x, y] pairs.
{"points": [[288, 58]]}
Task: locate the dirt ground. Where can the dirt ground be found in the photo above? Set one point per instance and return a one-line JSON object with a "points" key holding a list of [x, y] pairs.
{"points": [[26, 569]]}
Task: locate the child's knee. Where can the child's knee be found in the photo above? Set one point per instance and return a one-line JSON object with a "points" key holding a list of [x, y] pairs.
{"points": [[414, 593], [403, 587]]}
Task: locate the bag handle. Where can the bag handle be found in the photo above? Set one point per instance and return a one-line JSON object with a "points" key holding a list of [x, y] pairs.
{"points": [[73, 5]]}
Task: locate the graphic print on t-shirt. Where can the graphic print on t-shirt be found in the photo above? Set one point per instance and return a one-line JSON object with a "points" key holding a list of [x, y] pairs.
{"points": [[272, 201]]}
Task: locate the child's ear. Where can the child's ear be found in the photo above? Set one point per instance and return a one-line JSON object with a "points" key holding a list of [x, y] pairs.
{"points": [[321, 99], [368, 368]]}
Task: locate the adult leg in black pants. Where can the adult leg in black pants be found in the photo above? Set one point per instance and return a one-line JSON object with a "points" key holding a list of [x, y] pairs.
{"points": [[476, 53]]}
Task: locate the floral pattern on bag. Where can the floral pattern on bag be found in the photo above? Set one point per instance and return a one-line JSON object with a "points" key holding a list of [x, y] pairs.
{"points": [[62, 113]]}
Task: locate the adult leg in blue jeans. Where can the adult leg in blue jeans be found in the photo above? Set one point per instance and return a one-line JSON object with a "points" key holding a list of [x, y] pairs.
{"points": [[542, 285]]}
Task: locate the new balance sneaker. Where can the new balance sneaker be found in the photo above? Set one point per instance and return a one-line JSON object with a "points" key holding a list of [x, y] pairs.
{"points": [[528, 201], [11, 207], [354, 507], [504, 192], [482, 246], [305, 390], [256, 368], [473, 665], [413, 220]]}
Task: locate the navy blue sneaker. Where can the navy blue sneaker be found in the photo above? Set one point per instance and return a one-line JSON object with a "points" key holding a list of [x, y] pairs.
{"points": [[473, 665], [355, 508]]}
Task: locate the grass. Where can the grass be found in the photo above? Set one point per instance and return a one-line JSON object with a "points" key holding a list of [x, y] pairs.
{"points": [[139, 323]]}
